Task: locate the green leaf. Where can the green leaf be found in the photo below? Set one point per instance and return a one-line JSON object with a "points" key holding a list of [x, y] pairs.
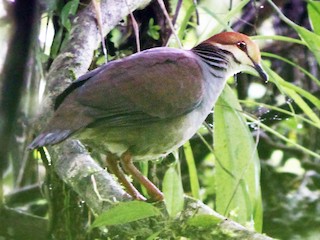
{"points": [[307, 73], [188, 9], [74, 7], [314, 15], [154, 236], [126, 212], [173, 192], [116, 37], [204, 221], [56, 44], [223, 20], [69, 9], [101, 60], [311, 39], [153, 30], [144, 168], [237, 174], [193, 176], [278, 38]]}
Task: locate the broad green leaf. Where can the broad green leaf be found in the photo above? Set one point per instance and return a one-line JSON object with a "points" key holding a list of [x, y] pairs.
{"points": [[204, 221], [126, 212], [314, 15], [173, 192], [74, 7], [237, 176], [312, 40], [69, 9], [56, 44], [193, 176]]}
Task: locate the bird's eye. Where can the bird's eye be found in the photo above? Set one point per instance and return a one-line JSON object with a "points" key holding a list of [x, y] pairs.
{"points": [[242, 46]]}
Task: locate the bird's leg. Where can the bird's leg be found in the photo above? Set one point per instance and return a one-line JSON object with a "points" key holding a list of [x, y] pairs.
{"points": [[153, 191], [113, 166]]}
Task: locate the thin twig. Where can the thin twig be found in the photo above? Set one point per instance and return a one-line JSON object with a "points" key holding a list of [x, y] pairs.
{"points": [[135, 28], [97, 8], [165, 12]]}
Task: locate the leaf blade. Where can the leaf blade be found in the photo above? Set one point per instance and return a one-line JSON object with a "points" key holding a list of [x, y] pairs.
{"points": [[125, 212], [238, 169], [173, 192]]}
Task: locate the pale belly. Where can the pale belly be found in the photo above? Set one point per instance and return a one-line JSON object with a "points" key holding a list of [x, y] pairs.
{"points": [[145, 142]]}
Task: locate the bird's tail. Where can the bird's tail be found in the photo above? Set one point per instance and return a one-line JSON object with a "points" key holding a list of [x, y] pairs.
{"points": [[49, 138]]}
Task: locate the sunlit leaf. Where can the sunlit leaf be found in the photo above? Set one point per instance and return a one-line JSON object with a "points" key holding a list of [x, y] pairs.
{"points": [[173, 192], [314, 15], [153, 30], [193, 176], [237, 169], [126, 212], [278, 38]]}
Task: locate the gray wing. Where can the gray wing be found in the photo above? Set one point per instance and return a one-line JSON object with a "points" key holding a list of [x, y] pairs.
{"points": [[156, 84]]}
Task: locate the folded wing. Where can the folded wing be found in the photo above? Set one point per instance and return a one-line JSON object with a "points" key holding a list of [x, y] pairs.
{"points": [[146, 87]]}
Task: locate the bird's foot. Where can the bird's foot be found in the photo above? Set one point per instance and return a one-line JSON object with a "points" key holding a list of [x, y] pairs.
{"points": [[128, 166]]}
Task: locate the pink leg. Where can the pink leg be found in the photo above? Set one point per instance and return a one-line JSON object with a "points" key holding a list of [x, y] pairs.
{"points": [[153, 191], [113, 165]]}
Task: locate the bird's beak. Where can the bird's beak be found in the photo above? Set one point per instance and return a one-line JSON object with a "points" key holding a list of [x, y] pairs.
{"points": [[261, 72]]}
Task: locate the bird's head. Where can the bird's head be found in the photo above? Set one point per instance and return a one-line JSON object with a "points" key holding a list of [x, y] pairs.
{"points": [[244, 53]]}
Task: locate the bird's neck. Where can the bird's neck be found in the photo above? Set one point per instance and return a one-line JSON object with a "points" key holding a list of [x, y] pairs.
{"points": [[216, 59], [217, 67], [215, 64]]}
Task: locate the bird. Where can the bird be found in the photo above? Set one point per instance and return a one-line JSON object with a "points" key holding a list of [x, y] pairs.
{"points": [[146, 105]]}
